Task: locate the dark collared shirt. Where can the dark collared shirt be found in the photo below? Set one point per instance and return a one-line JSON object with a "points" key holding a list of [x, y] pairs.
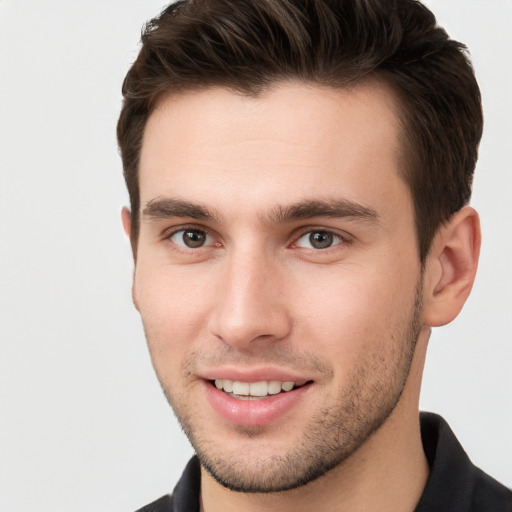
{"points": [[454, 483]]}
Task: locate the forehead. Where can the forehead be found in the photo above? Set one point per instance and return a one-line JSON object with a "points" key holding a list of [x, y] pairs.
{"points": [[292, 142]]}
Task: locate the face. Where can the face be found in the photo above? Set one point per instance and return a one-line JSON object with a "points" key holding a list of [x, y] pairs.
{"points": [[277, 275]]}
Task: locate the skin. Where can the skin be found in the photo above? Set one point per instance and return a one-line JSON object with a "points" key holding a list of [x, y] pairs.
{"points": [[352, 318]]}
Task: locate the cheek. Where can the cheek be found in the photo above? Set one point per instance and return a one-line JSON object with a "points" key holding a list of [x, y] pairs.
{"points": [[174, 306], [350, 312]]}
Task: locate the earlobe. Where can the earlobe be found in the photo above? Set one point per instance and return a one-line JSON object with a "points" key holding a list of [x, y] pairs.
{"points": [[451, 267]]}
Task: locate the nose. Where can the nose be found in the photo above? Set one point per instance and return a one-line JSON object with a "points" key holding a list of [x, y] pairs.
{"points": [[250, 309]]}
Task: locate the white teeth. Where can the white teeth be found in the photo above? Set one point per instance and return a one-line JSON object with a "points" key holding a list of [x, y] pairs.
{"points": [[240, 388], [274, 387], [258, 388], [261, 388], [287, 386]]}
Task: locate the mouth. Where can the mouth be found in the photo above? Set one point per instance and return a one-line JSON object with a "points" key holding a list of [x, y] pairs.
{"points": [[255, 397], [260, 390]]}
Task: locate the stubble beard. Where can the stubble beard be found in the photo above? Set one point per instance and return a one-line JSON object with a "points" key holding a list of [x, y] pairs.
{"points": [[330, 438]]}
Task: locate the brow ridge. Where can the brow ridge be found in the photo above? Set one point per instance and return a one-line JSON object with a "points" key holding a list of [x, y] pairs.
{"points": [[167, 207], [331, 208], [335, 208]]}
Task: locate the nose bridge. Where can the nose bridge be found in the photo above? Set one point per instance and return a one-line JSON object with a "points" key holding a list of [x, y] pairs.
{"points": [[249, 305]]}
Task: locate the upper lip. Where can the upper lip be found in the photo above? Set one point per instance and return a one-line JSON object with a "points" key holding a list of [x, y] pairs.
{"points": [[253, 374]]}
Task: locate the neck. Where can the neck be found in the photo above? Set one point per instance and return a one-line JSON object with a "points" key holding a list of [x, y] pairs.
{"points": [[387, 473]]}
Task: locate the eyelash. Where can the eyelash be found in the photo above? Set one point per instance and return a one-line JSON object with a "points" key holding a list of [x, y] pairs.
{"points": [[343, 239], [339, 240], [182, 249]]}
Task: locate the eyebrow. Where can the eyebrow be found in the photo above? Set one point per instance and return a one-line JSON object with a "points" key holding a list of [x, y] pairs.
{"points": [[166, 208], [331, 208], [337, 208]]}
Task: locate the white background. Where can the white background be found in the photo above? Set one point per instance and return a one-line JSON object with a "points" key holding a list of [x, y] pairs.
{"points": [[83, 423]]}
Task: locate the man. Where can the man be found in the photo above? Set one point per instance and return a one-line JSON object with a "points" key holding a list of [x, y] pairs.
{"points": [[299, 173]]}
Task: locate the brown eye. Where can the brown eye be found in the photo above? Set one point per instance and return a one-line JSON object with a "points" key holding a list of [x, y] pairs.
{"points": [[190, 238], [319, 239]]}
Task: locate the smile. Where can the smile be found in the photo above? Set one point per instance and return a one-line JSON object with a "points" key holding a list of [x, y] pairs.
{"points": [[256, 403], [256, 390]]}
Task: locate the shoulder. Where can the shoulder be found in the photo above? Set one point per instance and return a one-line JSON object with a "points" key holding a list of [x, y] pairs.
{"points": [[489, 494], [455, 484]]}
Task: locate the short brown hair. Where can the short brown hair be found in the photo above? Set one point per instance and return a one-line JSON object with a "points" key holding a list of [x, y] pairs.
{"points": [[248, 45]]}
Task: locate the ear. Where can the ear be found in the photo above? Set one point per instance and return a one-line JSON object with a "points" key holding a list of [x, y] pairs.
{"points": [[451, 267], [126, 218]]}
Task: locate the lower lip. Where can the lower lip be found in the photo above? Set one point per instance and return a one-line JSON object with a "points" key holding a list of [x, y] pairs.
{"points": [[253, 412]]}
